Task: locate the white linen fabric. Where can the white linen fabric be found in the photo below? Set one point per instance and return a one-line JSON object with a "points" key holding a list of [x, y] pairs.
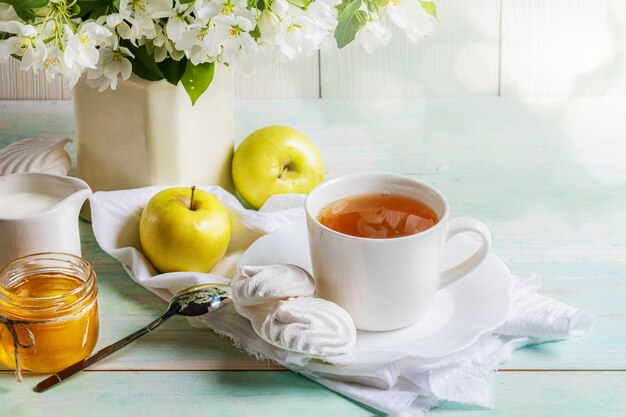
{"points": [[408, 386]]}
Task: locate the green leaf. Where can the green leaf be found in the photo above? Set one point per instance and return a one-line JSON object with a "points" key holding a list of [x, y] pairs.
{"points": [[351, 20], [185, 1], [347, 8], [173, 70], [26, 4], [431, 8], [256, 32], [197, 79], [26, 15], [258, 4], [93, 9], [76, 11], [143, 63]]}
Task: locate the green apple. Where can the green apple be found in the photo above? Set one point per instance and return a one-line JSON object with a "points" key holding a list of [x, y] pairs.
{"points": [[276, 160], [184, 229]]}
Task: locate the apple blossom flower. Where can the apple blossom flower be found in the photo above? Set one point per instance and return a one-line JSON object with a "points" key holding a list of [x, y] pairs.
{"points": [[81, 47], [411, 17], [232, 34], [162, 46], [204, 10], [209, 9], [139, 18], [154, 9], [198, 47], [267, 23], [112, 64], [290, 35], [25, 45], [373, 35], [54, 64], [175, 27], [121, 25], [297, 31], [324, 13], [266, 55]]}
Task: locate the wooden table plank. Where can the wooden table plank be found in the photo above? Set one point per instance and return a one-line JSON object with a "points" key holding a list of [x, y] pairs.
{"points": [[204, 393]]}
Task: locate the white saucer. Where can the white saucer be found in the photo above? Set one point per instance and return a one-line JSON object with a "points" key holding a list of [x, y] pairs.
{"points": [[460, 314]]}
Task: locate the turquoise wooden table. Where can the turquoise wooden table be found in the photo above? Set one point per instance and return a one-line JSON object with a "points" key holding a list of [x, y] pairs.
{"points": [[547, 175]]}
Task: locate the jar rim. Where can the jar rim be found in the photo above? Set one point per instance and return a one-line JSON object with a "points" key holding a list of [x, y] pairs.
{"points": [[84, 286]]}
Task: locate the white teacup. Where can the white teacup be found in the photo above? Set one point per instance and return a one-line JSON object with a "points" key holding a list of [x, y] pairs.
{"points": [[386, 284]]}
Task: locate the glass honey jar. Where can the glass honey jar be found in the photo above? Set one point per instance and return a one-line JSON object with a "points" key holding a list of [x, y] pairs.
{"points": [[48, 312]]}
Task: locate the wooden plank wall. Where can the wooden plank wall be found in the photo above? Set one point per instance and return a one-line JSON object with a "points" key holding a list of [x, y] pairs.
{"points": [[480, 48]]}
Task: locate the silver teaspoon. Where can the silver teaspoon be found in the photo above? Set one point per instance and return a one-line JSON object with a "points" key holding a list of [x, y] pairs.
{"points": [[194, 301]]}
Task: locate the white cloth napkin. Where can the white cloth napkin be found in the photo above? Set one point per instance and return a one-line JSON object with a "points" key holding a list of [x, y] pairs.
{"points": [[402, 387]]}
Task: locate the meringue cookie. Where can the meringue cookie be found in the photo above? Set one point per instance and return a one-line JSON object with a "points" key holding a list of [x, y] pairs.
{"points": [[255, 285], [43, 155], [310, 325]]}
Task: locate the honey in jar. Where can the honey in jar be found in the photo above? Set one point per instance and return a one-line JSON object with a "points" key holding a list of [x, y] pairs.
{"points": [[50, 300]]}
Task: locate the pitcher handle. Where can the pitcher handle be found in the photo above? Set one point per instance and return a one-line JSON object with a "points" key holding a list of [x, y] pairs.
{"points": [[460, 225]]}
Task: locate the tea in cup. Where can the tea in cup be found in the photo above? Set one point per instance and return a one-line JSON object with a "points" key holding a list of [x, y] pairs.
{"points": [[376, 243]]}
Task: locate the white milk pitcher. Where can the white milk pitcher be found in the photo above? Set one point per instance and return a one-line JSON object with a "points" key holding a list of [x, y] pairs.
{"points": [[39, 213]]}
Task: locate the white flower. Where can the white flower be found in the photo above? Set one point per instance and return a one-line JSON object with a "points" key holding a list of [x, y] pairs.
{"points": [[139, 18], [232, 34], [162, 46], [280, 8], [26, 44], [154, 9], [288, 38], [81, 47], [324, 13], [34, 56], [54, 64], [290, 35], [282, 27], [410, 16], [321, 21], [198, 46], [175, 27], [268, 23], [207, 9], [111, 66], [267, 54], [295, 31], [372, 36], [117, 25]]}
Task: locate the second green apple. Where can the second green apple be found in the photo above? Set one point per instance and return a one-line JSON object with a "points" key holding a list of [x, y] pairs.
{"points": [[276, 160]]}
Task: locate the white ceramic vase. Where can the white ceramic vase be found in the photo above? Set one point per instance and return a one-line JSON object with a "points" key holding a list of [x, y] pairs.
{"points": [[148, 133]]}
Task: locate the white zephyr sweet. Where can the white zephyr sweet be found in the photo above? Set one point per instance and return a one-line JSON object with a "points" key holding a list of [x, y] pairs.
{"points": [[310, 325], [42, 155], [254, 285]]}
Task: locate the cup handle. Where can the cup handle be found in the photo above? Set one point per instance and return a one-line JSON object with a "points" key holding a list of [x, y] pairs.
{"points": [[460, 225]]}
